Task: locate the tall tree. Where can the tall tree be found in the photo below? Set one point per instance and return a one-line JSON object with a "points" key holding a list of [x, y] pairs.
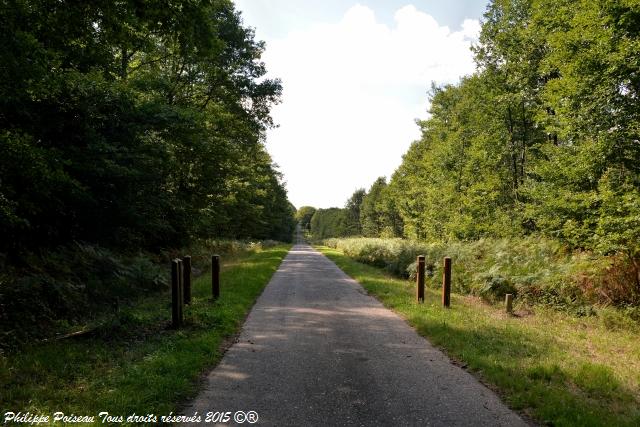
{"points": [[371, 215], [353, 212], [133, 124], [594, 90], [542, 138], [327, 223]]}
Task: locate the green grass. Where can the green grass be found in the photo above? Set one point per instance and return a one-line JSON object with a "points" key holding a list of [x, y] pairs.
{"points": [[556, 368], [137, 364], [538, 269]]}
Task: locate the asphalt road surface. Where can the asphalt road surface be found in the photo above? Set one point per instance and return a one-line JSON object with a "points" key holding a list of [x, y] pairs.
{"points": [[316, 350]]}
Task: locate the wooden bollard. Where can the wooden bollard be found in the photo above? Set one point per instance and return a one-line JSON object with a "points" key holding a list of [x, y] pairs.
{"points": [[446, 283], [420, 279], [181, 289], [176, 293], [215, 276], [186, 279], [508, 300]]}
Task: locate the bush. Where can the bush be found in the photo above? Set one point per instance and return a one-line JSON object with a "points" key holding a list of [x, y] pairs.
{"points": [[79, 283], [70, 285], [538, 270]]}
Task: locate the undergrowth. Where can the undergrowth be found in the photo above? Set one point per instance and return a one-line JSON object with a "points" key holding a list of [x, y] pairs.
{"points": [[536, 270], [138, 364], [74, 286]]}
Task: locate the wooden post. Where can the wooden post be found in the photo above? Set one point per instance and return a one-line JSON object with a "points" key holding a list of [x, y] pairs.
{"points": [[215, 276], [508, 300], [446, 283], [420, 279], [181, 289], [186, 278], [176, 293]]}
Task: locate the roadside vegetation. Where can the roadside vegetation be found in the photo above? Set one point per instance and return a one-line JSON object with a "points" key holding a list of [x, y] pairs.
{"points": [[555, 367], [135, 363], [130, 133], [535, 269], [536, 153], [79, 287]]}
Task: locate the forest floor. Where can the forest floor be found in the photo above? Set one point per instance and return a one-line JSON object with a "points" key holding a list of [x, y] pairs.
{"points": [[559, 369], [137, 364]]}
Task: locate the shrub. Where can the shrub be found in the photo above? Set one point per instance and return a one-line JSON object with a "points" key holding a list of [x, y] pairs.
{"points": [[80, 282], [537, 269], [69, 285]]}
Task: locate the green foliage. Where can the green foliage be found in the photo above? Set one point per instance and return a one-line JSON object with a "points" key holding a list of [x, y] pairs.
{"points": [[457, 182], [71, 285], [304, 215], [134, 125], [395, 255], [541, 139], [378, 216], [353, 214], [330, 222], [537, 270], [83, 283]]}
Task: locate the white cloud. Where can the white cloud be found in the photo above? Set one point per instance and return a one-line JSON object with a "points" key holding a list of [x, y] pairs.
{"points": [[352, 90]]}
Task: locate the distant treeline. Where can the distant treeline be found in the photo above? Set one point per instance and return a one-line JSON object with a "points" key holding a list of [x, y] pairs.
{"points": [[543, 138], [134, 125]]}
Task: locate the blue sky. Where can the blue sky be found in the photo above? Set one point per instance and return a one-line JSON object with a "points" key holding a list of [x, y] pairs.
{"points": [[355, 78]]}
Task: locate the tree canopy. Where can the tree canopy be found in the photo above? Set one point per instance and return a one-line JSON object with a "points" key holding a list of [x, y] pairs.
{"points": [[331, 222], [304, 215], [543, 138], [134, 124]]}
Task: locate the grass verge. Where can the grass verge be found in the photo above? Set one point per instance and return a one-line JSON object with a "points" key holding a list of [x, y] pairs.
{"points": [[558, 369], [137, 364]]}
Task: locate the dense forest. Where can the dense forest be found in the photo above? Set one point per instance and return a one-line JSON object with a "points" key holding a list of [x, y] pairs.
{"points": [[134, 125], [527, 171], [130, 132], [543, 138]]}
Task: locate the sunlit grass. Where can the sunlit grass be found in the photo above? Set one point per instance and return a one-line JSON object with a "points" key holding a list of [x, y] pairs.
{"points": [[559, 369], [137, 364]]}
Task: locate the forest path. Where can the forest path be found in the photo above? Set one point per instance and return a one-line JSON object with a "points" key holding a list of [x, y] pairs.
{"points": [[317, 350]]}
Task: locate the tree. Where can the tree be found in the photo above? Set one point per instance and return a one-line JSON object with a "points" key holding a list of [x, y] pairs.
{"points": [[542, 138], [327, 223], [456, 181], [592, 59], [352, 207], [371, 216], [134, 125], [304, 215]]}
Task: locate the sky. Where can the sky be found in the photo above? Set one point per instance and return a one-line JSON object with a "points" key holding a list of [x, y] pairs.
{"points": [[355, 78]]}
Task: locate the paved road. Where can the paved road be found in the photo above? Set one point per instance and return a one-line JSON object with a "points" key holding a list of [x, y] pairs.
{"points": [[316, 350]]}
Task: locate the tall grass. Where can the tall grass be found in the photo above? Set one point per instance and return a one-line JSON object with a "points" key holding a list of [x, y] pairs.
{"points": [[68, 288], [536, 269]]}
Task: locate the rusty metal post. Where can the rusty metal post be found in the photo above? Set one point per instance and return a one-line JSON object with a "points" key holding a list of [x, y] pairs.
{"points": [[446, 283], [176, 293], [215, 276], [420, 279], [186, 279], [508, 300]]}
